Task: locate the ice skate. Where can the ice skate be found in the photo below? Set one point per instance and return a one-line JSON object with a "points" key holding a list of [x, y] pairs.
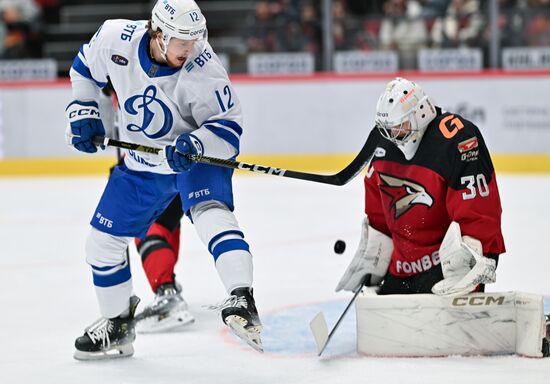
{"points": [[240, 314], [168, 312], [108, 338]]}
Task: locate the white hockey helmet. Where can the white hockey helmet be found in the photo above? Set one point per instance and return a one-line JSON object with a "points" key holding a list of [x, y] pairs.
{"points": [[181, 19], [403, 112]]}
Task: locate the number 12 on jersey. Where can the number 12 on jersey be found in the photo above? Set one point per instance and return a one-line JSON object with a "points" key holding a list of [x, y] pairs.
{"points": [[225, 101]]}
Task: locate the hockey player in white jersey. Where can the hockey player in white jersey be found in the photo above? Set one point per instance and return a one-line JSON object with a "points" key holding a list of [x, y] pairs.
{"points": [[173, 93]]}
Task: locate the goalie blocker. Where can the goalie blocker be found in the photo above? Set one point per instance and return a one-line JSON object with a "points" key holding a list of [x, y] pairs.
{"points": [[430, 325]]}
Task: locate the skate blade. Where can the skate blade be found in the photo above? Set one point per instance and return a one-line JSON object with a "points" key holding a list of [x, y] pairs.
{"points": [[175, 322], [251, 335], [115, 352]]}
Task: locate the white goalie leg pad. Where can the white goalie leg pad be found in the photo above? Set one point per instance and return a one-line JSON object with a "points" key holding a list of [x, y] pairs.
{"points": [[373, 256], [106, 254], [463, 264], [219, 230], [430, 325]]}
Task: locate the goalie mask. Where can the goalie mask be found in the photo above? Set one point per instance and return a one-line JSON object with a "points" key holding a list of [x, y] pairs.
{"points": [[180, 19], [403, 112]]}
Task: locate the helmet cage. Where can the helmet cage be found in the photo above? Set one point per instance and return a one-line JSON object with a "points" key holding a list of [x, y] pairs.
{"points": [[401, 130], [403, 113]]}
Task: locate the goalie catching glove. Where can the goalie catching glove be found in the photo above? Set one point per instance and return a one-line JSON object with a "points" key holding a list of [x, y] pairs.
{"points": [[464, 267], [372, 257]]}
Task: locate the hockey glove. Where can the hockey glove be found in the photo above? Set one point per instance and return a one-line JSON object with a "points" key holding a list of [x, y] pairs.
{"points": [[178, 154], [464, 267], [84, 124], [372, 257]]}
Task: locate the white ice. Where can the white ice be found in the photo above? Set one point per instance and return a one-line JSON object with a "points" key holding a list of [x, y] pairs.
{"points": [[47, 298]]}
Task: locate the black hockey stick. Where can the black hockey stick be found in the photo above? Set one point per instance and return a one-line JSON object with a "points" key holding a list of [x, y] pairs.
{"points": [[340, 178], [319, 325]]}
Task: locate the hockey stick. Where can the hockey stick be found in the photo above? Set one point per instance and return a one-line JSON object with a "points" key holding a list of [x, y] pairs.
{"points": [[340, 178], [319, 327]]}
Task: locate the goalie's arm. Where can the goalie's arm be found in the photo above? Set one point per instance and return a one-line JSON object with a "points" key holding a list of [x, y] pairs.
{"points": [[473, 199]]}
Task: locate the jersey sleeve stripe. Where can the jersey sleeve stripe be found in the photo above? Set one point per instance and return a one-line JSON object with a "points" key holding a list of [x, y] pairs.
{"points": [[227, 130], [80, 67], [234, 126], [225, 135]]}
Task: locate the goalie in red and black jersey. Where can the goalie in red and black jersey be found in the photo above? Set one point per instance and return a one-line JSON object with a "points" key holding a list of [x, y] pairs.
{"points": [[433, 213]]}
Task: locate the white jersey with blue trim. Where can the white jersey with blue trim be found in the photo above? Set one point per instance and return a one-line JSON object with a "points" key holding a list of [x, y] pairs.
{"points": [[157, 102]]}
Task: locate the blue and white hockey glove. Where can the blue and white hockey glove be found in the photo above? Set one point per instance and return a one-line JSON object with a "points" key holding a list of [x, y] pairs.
{"points": [[177, 154], [84, 124]]}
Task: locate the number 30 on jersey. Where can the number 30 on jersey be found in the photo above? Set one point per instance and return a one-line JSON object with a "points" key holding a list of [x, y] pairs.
{"points": [[475, 185]]}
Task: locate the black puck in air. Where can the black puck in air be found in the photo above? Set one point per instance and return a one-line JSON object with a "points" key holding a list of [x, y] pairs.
{"points": [[339, 246]]}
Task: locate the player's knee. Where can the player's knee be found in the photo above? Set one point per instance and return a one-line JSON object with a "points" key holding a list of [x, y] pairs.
{"points": [[103, 249], [218, 228]]}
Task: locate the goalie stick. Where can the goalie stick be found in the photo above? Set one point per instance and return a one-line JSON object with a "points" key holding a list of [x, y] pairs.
{"points": [[340, 178], [319, 327]]}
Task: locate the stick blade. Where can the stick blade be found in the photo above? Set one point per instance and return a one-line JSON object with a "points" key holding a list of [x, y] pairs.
{"points": [[319, 329]]}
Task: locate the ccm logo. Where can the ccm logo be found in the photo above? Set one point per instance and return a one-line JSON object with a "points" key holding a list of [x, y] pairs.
{"points": [[84, 112], [478, 301]]}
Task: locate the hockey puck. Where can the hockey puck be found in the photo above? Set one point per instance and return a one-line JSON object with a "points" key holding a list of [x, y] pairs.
{"points": [[339, 246]]}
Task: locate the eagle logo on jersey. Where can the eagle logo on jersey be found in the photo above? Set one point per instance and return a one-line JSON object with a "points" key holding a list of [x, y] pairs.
{"points": [[150, 105], [404, 194]]}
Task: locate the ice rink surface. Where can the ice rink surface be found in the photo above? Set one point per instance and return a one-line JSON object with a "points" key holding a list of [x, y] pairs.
{"points": [[47, 298]]}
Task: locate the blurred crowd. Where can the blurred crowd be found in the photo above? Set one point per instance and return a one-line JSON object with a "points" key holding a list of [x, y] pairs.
{"points": [[296, 25], [401, 25], [21, 27]]}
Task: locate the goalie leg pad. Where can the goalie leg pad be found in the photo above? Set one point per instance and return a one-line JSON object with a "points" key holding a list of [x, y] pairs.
{"points": [[430, 325], [372, 257]]}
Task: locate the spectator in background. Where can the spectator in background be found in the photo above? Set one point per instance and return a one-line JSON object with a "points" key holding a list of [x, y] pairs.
{"points": [[367, 38], [511, 23], [344, 32], [537, 32], [22, 19], [403, 29], [3, 34], [302, 34], [285, 26], [263, 29], [461, 26]]}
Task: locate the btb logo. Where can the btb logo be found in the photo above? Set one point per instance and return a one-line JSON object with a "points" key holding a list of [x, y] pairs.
{"points": [[143, 102]]}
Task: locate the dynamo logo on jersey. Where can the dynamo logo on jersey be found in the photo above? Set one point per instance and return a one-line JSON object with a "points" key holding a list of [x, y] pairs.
{"points": [[151, 107]]}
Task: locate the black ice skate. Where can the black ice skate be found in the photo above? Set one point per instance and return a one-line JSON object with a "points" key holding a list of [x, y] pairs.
{"points": [[168, 312], [240, 314], [108, 338]]}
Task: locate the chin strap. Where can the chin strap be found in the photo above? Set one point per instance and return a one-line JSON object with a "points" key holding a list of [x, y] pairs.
{"points": [[162, 49]]}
